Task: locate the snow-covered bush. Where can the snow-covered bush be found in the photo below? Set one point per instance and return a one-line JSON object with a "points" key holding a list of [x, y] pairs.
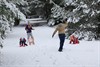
{"points": [[85, 35]]}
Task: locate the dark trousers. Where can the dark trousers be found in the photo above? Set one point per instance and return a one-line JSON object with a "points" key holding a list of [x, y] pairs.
{"points": [[22, 43], [62, 39]]}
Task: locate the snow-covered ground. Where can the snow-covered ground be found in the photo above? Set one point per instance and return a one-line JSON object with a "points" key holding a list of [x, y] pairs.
{"points": [[45, 51], [33, 20]]}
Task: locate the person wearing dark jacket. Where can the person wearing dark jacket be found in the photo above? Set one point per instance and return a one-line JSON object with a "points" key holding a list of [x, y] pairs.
{"points": [[29, 29]]}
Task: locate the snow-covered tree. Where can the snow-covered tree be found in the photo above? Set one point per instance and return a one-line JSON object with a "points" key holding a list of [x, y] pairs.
{"points": [[86, 12], [83, 15], [8, 13], [39, 8]]}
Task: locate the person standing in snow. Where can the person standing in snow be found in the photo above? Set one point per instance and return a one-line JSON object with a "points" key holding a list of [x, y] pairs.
{"points": [[61, 33], [29, 29]]}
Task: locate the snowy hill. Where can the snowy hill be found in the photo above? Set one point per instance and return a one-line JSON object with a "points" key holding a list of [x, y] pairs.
{"points": [[45, 51]]}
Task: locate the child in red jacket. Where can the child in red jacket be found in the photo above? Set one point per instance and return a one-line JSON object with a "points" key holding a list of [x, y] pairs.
{"points": [[74, 39]]}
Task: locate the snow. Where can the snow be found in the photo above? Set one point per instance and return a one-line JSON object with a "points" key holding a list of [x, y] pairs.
{"points": [[86, 10], [84, 6], [15, 10], [57, 11], [45, 51], [98, 0], [73, 19], [68, 2], [32, 21]]}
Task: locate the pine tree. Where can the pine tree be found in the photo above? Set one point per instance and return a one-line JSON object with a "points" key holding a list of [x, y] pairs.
{"points": [[8, 13], [83, 16]]}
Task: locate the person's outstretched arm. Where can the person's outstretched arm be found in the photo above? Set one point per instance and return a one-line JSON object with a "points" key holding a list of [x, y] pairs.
{"points": [[54, 32], [26, 27]]}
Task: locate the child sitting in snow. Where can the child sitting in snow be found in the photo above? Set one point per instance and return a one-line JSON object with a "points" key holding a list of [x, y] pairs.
{"points": [[74, 39], [22, 42]]}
